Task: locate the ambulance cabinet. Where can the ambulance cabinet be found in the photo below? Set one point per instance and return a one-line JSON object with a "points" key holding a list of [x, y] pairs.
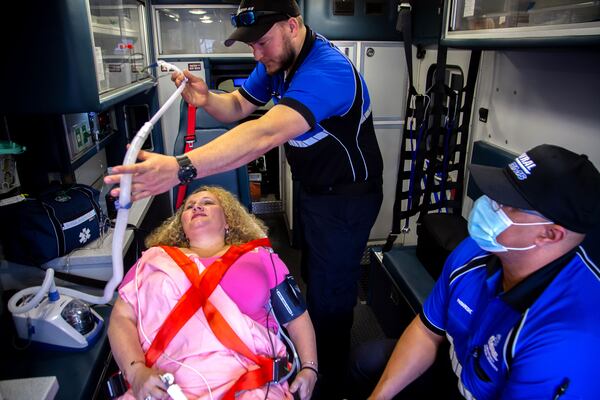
{"points": [[372, 19], [518, 23], [195, 30], [73, 56]]}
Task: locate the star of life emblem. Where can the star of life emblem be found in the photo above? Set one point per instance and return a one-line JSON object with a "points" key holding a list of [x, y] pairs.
{"points": [[84, 235]]}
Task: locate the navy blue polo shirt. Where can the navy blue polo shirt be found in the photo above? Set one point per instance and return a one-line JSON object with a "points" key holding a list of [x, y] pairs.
{"points": [[524, 343], [327, 90]]}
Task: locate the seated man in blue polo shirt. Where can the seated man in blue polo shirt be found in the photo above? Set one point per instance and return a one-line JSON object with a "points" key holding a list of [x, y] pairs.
{"points": [[519, 300]]}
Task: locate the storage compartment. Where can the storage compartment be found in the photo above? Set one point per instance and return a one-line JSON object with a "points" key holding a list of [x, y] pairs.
{"points": [[9, 178], [565, 14], [500, 23], [353, 20], [89, 53], [120, 45], [195, 30], [397, 289]]}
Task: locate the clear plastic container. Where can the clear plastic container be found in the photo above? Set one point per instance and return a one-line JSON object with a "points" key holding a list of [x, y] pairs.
{"points": [[580, 12], [9, 179]]}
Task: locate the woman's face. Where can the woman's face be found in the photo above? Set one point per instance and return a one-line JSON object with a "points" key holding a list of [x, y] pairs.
{"points": [[203, 215]]}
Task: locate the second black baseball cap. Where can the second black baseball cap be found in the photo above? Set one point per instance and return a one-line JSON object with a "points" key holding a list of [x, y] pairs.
{"points": [[560, 184]]}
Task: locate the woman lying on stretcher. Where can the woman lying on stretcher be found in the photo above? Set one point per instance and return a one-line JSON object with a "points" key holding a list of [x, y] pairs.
{"points": [[199, 302]]}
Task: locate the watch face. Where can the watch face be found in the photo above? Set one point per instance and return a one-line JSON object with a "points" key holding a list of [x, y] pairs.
{"points": [[187, 173]]}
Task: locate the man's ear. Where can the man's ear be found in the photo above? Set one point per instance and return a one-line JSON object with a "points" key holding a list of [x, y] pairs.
{"points": [[551, 234], [293, 26]]}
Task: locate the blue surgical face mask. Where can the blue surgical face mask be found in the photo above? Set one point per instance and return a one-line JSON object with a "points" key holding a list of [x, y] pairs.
{"points": [[487, 221]]}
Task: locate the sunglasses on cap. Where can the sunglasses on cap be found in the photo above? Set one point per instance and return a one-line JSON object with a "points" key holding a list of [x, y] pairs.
{"points": [[250, 17]]}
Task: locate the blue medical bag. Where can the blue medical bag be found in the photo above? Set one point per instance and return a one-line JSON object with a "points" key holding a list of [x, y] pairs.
{"points": [[36, 230]]}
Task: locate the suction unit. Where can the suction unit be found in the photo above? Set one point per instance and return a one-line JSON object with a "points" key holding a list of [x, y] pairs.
{"points": [[49, 315]]}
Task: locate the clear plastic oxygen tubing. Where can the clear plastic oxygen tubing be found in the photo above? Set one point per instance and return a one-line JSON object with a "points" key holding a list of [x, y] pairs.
{"points": [[48, 285]]}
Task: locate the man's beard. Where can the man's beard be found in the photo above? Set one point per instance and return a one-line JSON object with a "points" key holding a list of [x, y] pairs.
{"points": [[287, 59]]}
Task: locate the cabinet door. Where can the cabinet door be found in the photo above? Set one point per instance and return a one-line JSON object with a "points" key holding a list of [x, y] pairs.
{"points": [[501, 23], [353, 20], [120, 43], [383, 66], [195, 30], [349, 49], [51, 68], [57, 47]]}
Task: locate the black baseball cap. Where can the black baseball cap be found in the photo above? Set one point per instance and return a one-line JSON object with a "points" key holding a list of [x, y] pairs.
{"points": [[268, 12], [561, 185]]}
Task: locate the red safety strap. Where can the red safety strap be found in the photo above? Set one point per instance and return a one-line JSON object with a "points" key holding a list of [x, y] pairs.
{"points": [[197, 297], [190, 138]]}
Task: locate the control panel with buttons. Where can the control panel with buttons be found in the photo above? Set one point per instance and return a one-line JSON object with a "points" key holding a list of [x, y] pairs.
{"points": [[79, 134]]}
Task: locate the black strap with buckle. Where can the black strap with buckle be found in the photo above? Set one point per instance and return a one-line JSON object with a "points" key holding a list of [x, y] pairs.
{"points": [[116, 386]]}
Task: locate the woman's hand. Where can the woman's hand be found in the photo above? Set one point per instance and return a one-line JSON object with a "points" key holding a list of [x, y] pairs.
{"points": [[155, 174], [196, 90], [304, 384], [145, 382]]}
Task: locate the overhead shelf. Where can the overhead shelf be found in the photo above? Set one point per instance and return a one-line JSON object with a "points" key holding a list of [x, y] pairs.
{"points": [[500, 24]]}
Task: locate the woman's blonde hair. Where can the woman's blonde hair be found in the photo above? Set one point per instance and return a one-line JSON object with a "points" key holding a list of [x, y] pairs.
{"points": [[243, 226]]}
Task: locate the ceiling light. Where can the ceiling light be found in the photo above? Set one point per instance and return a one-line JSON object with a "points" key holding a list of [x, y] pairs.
{"points": [[197, 11]]}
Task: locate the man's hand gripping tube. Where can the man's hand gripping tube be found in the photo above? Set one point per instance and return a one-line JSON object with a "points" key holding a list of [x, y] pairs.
{"points": [[125, 185]]}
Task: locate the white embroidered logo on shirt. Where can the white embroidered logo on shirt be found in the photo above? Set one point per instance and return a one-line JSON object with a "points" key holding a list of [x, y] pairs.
{"points": [[489, 349], [463, 305]]}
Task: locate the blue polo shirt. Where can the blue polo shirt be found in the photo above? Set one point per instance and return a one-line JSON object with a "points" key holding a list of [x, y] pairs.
{"points": [[327, 90], [528, 342]]}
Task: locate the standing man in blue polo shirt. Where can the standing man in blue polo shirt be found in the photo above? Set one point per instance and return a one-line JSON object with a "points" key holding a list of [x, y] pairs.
{"points": [[519, 301], [322, 115]]}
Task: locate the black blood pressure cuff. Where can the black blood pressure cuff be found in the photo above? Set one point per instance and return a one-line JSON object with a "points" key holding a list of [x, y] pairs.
{"points": [[287, 301]]}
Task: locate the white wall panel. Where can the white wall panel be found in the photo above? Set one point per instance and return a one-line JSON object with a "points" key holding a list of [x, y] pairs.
{"points": [[537, 97]]}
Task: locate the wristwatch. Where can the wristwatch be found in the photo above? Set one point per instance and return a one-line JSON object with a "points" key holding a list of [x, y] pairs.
{"points": [[187, 172]]}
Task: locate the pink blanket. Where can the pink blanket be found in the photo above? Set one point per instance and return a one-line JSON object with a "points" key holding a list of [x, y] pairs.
{"points": [[195, 357]]}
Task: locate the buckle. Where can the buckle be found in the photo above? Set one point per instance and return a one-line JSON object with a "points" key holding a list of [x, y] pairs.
{"points": [[116, 385], [281, 367], [404, 5]]}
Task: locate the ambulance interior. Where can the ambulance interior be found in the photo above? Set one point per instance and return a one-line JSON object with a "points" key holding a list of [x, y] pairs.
{"points": [[451, 82]]}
